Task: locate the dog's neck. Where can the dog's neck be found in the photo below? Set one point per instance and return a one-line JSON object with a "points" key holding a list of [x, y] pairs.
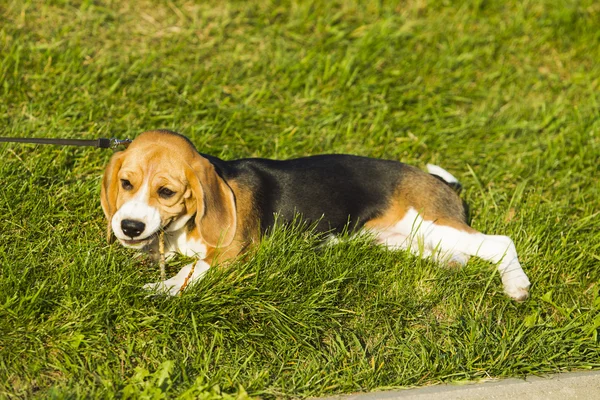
{"points": [[184, 241]]}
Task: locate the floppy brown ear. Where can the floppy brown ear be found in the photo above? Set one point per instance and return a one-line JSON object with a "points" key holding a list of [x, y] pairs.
{"points": [[215, 204], [109, 190]]}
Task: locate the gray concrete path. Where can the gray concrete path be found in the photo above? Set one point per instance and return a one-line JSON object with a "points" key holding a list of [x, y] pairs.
{"points": [[565, 386]]}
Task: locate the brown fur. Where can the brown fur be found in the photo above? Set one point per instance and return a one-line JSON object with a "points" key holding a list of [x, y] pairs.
{"points": [[215, 203], [109, 190], [433, 200]]}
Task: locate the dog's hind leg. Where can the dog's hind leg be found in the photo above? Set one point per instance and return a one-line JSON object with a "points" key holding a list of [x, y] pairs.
{"points": [[459, 240], [396, 241]]}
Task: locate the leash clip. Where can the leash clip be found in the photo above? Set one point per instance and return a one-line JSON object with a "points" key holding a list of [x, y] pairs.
{"points": [[113, 143]]}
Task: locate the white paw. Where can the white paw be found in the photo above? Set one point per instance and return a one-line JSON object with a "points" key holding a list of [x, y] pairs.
{"points": [[452, 260], [459, 259], [517, 287], [162, 288]]}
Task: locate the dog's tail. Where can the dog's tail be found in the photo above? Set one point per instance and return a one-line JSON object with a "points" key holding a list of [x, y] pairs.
{"points": [[445, 177]]}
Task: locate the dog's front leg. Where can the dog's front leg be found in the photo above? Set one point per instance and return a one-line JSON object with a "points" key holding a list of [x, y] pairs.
{"points": [[184, 278]]}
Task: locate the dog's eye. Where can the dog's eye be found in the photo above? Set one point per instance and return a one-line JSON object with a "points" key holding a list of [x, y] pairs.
{"points": [[126, 184], [165, 193]]}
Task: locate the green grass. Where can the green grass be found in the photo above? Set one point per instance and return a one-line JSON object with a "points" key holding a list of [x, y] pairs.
{"points": [[502, 94]]}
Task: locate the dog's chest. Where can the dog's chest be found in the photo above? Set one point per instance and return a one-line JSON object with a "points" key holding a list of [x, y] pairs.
{"points": [[181, 242]]}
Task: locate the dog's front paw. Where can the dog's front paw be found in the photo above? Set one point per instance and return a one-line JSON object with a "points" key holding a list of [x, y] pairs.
{"points": [[517, 288], [162, 288]]}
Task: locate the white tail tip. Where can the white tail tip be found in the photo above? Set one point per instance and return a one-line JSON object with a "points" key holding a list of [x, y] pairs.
{"points": [[442, 173]]}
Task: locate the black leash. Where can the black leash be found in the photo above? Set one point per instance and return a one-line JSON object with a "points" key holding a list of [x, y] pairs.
{"points": [[102, 143]]}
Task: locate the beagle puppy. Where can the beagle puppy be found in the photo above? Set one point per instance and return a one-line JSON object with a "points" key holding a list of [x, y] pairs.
{"points": [[213, 209]]}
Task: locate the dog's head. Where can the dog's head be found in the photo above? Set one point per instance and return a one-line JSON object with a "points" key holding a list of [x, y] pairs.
{"points": [[161, 183]]}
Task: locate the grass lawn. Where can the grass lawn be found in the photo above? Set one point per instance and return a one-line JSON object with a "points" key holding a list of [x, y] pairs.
{"points": [[505, 95]]}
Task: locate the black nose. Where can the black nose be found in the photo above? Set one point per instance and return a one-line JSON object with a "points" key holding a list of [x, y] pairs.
{"points": [[132, 228]]}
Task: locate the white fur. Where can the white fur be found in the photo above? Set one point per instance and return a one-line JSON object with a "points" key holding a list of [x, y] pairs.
{"points": [[179, 242], [178, 223], [426, 238], [172, 286], [442, 173], [176, 240], [137, 209]]}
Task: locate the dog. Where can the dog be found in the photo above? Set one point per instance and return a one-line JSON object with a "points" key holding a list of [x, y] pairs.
{"points": [[213, 209]]}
